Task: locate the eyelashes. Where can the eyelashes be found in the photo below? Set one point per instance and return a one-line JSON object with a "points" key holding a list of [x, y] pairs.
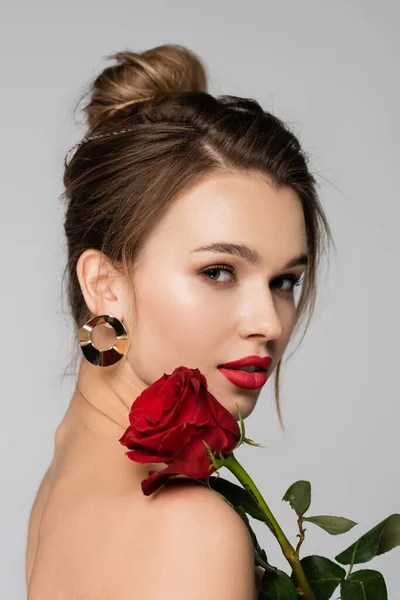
{"points": [[295, 280]]}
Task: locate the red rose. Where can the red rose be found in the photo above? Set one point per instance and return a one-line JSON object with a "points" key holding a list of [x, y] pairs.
{"points": [[168, 422]]}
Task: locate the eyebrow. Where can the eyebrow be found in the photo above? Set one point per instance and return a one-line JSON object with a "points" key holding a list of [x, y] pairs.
{"points": [[247, 253]]}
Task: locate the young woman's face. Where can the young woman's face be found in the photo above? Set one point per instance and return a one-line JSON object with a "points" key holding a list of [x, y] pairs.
{"points": [[202, 308]]}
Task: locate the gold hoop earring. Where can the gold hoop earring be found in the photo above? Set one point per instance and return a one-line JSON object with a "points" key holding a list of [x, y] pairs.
{"points": [[103, 358]]}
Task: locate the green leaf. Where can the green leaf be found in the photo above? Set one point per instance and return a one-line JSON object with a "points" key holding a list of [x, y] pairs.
{"points": [[364, 585], [242, 428], [243, 439], [333, 525], [237, 495], [260, 557], [299, 496], [277, 586], [380, 539], [322, 574], [215, 462], [251, 443]]}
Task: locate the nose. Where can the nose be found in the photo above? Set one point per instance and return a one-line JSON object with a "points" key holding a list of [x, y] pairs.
{"points": [[260, 317]]}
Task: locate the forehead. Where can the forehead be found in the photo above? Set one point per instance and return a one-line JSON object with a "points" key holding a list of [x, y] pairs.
{"points": [[238, 208]]}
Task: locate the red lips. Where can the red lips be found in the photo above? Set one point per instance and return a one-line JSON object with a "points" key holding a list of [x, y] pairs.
{"points": [[253, 360]]}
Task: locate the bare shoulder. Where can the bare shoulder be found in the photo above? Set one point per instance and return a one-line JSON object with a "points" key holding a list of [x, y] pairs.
{"points": [[194, 546]]}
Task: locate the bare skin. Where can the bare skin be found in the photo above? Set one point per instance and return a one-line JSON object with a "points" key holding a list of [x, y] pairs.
{"points": [[179, 317]]}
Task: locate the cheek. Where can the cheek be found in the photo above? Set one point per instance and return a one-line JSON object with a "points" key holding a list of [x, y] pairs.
{"points": [[288, 317], [175, 318], [184, 307]]}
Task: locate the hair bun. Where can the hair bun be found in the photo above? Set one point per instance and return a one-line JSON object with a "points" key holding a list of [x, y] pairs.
{"points": [[163, 69]]}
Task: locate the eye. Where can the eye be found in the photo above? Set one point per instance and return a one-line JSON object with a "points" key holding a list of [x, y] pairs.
{"points": [[211, 273], [215, 269], [294, 281]]}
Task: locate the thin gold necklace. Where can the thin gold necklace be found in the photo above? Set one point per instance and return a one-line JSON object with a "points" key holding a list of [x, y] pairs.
{"points": [[98, 410]]}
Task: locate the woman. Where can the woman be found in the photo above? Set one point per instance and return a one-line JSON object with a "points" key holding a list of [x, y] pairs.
{"points": [[191, 220]]}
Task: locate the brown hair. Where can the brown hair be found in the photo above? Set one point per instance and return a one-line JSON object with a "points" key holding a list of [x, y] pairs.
{"points": [[153, 131]]}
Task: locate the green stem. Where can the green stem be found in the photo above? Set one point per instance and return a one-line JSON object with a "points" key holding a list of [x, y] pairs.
{"points": [[301, 535], [288, 551]]}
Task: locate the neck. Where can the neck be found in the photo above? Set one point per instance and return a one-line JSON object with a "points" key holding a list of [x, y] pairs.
{"points": [[102, 400]]}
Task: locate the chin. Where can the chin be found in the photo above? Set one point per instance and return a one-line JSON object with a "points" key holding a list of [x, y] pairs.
{"points": [[246, 407]]}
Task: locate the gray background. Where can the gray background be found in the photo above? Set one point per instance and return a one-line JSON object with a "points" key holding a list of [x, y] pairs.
{"points": [[331, 70]]}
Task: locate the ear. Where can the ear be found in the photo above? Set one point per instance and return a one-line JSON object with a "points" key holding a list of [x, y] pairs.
{"points": [[103, 287]]}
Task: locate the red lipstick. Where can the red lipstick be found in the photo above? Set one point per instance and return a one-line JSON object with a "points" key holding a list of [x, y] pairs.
{"points": [[245, 379], [249, 361]]}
